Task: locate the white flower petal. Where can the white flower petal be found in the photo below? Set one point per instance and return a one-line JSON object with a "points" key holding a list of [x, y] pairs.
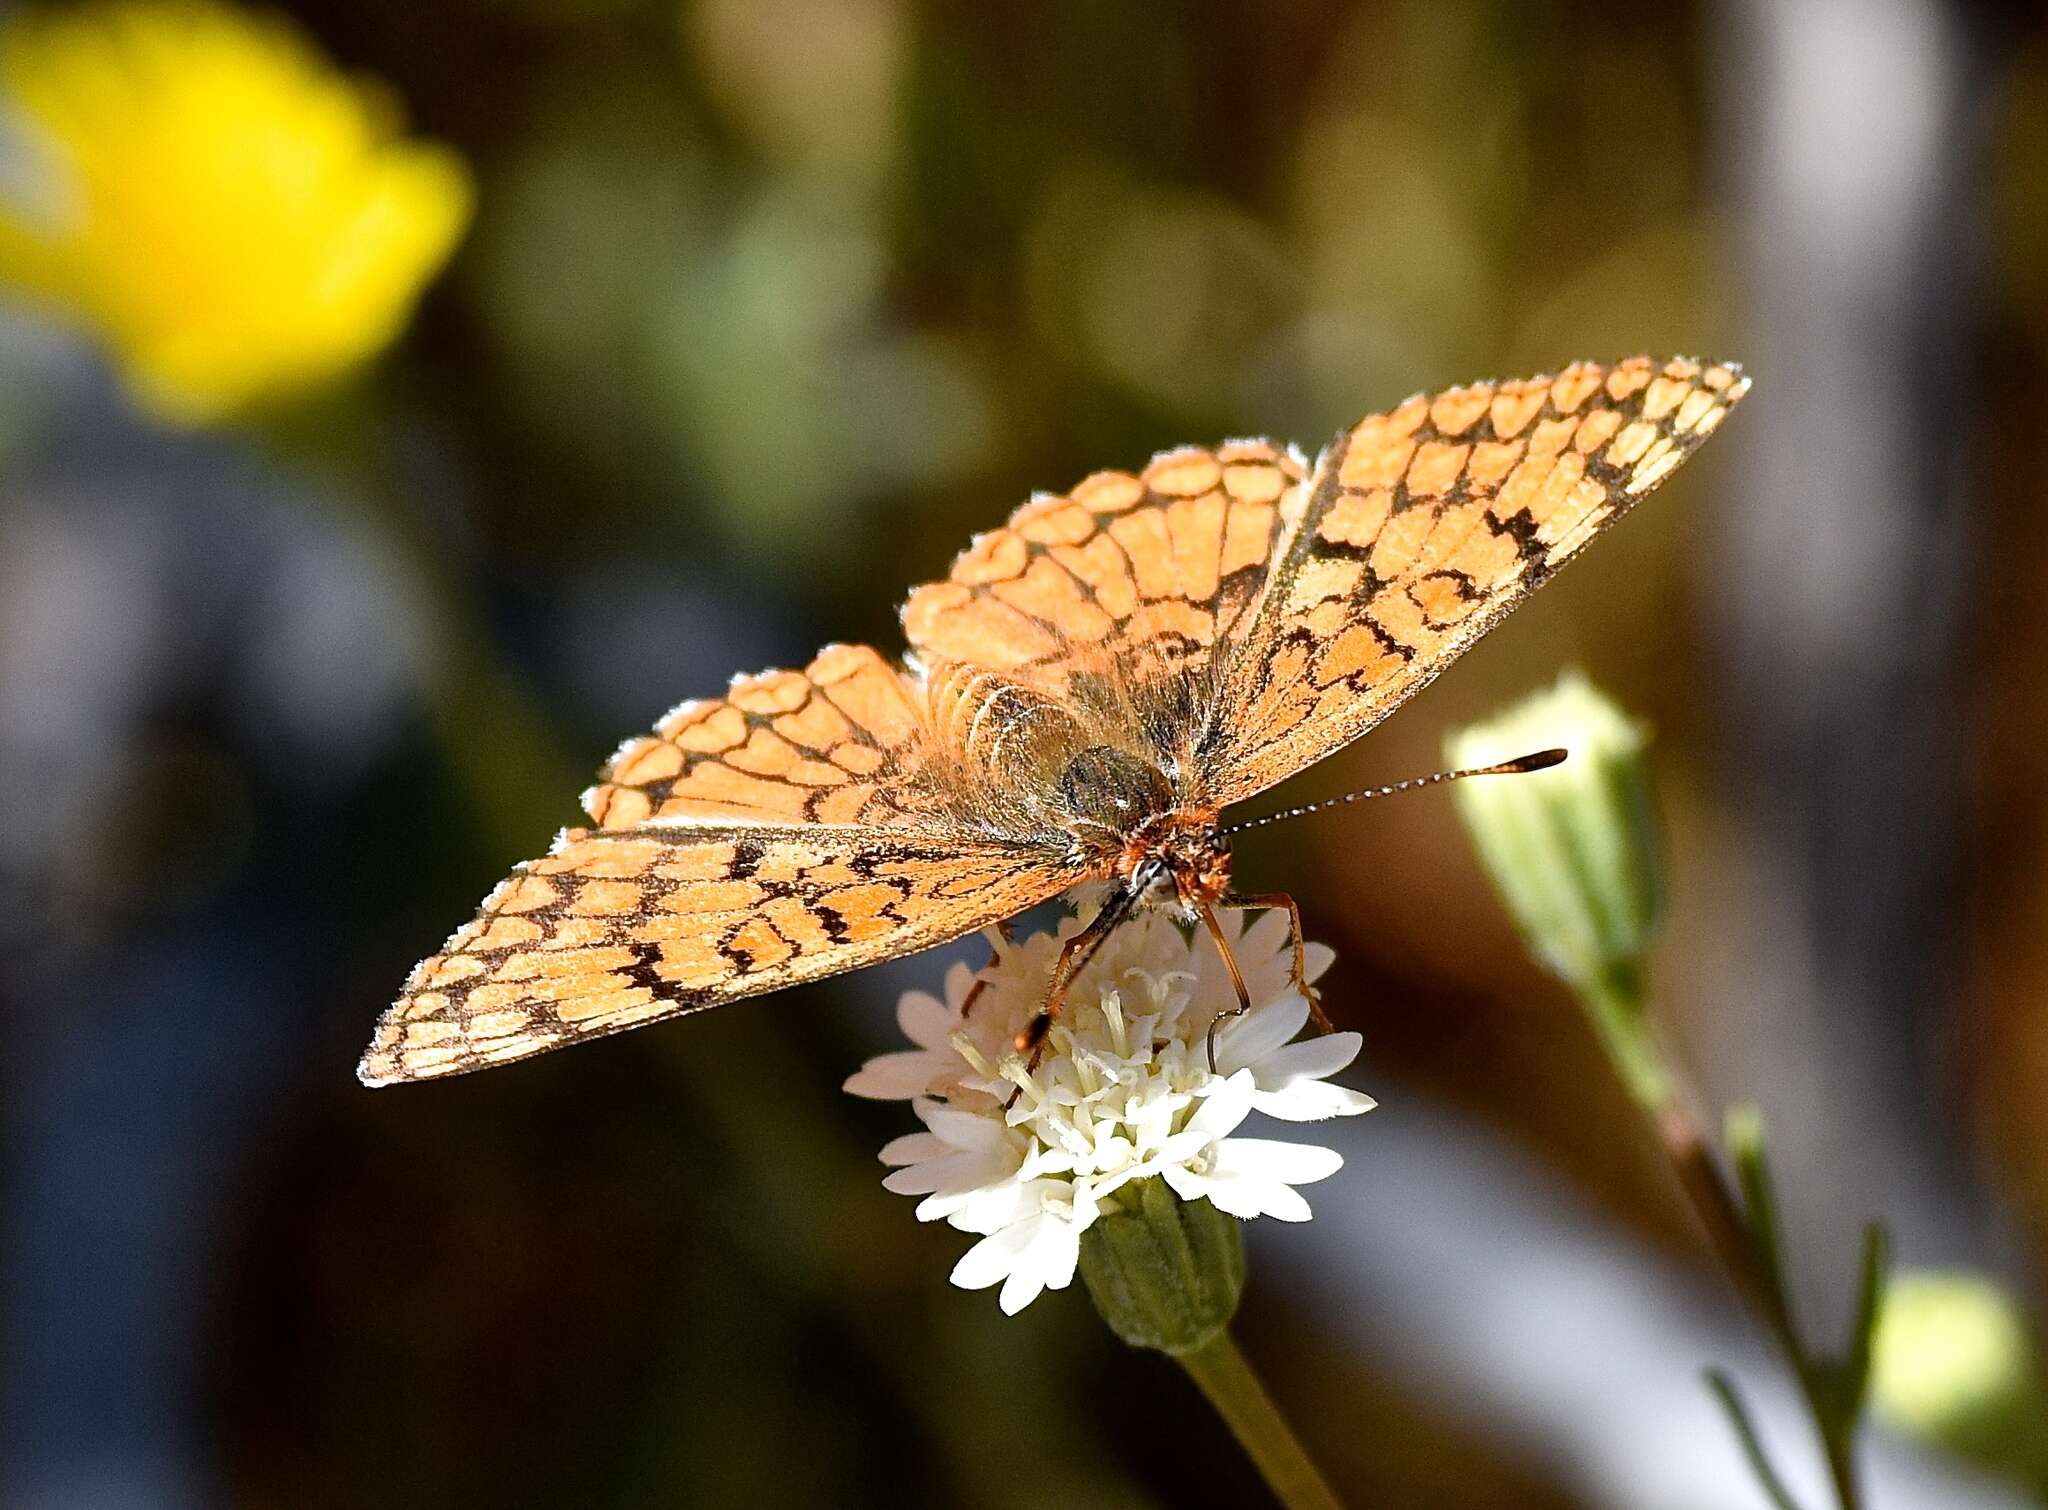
{"points": [[1312, 1101], [1280, 1202], [897, 1077], [1269, 1159], [913, 1147], [1046, 1263], [981, 1211], [1243, 1040], [950, 1175], [962, 1129], [925, 1020], [1061, 1254], [1315, 959], [1242, 1198], [991, 1260], [1184, 1182], [1311, 1058], [1025, 1284], [1267, 934], [1224, 1107], [1246, 1195], [913, 1179]]}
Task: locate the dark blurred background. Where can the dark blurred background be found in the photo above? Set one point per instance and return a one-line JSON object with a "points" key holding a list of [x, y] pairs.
{"points": [[766, 307]]}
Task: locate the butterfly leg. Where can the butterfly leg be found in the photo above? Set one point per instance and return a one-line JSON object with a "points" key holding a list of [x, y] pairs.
{"points": [[1244, 997], [1008, 932], [1277, 901], [1074, 957]]}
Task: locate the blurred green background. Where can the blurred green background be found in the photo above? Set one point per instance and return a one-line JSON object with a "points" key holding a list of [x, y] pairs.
{"points": [[766, 306]]}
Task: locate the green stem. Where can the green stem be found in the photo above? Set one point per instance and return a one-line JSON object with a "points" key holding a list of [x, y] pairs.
{"points": [[1620, 1017], [1227, 1379], [1752, 1445], [1757, 1273]]}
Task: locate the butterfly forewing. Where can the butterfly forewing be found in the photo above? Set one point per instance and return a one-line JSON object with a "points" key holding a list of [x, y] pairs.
{"points": [[612, 930], [799, 827], [1422, 528]]}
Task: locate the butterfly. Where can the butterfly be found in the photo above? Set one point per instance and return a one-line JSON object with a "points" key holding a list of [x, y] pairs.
{"points": [[1084, 695]]}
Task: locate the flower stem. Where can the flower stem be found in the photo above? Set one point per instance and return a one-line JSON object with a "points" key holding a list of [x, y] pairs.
{"points": [[1616, 1011], [1227, 1379]]}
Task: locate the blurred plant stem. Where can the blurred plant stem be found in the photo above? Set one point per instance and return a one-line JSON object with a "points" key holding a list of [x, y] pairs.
{"points": [[1224, 1376], [510, 766], [1614, 1007], [1575, 852], [1745, 1234]]}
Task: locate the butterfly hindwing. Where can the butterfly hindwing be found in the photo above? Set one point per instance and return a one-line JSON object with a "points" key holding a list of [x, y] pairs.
{"points": [[842, 741], [1137, 568]]}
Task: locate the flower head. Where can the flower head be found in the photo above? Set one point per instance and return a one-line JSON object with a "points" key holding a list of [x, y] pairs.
{"points": [[231, 217], [1574, 852], [1030, 1157], [1573, 849]]}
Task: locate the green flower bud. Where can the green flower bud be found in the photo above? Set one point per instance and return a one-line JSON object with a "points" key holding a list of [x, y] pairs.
{"points": [[1165, 1273], [1953, 1363], [1574, 853]]}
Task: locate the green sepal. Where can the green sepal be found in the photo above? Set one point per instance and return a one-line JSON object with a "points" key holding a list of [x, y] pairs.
{"points": [[1165, 1273]]}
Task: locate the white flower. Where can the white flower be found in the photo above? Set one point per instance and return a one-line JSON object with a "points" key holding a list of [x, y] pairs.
{"points": [[1123, 1090]]}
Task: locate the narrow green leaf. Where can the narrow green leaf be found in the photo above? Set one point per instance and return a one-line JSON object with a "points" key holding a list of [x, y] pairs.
{"points": [[1854, 1379], [1774, 1488], [1744, 1131]]}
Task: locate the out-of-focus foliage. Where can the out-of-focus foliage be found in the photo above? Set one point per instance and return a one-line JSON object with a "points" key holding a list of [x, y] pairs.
{"points": [[197, 187]]}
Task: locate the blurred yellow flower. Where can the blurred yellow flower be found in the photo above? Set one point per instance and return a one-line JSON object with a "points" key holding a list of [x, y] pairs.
{"points": [[231, 216]]}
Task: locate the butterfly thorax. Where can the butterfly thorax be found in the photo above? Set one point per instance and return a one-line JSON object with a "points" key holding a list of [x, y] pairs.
{"points": [[1124, 821]]}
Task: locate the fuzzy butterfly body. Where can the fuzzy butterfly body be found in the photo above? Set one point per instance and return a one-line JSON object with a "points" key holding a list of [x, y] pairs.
{"points": [[1084, 694]]}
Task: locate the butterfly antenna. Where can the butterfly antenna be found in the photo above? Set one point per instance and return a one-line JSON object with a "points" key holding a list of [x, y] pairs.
{"points": [[1541, 760]]}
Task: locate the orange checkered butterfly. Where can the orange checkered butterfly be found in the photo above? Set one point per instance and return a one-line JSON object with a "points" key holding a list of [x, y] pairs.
{"points": [[1085, 694]]}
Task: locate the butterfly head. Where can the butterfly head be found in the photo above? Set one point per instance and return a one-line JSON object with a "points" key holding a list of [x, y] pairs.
{"points": [[1178, 858]]}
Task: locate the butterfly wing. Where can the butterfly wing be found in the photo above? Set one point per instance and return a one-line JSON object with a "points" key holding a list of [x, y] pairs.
{"points": [[1421, 529], [844, 741], [1112, 601], [612, 930], [790, 831]]}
